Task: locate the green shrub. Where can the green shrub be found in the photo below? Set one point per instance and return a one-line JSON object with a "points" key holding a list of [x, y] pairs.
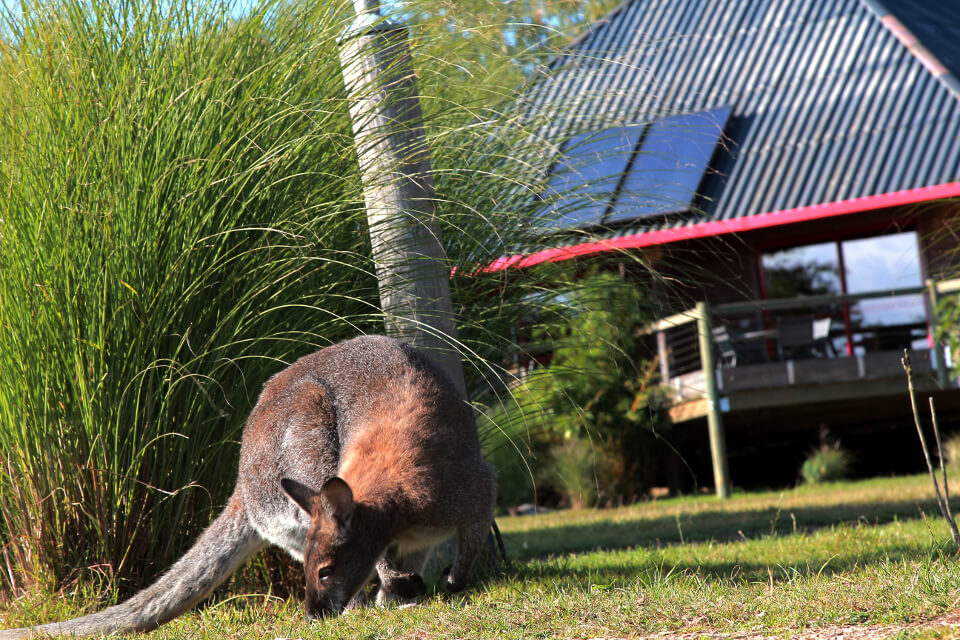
{"points": [[517, 450], [826, 463], [586, 473], [951, 451], [575, 471], [594, 414]]}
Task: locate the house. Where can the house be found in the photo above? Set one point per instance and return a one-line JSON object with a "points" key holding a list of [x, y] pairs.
{"points": [[795, 164]]}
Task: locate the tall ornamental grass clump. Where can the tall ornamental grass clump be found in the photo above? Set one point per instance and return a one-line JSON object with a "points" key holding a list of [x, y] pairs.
{"points": [[179, 214]]}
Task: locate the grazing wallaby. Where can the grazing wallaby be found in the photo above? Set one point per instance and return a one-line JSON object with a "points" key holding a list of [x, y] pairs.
{"points": [[356, 459]]}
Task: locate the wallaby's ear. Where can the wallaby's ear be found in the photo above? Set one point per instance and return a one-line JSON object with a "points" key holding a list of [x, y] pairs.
{"points": [[306, 498], [337, 500]]}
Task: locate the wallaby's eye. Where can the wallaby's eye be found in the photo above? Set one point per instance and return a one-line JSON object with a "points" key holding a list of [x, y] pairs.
{"points": [[325, 573]]}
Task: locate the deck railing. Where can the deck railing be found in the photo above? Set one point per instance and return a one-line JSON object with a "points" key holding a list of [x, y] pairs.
{"points": [[678, 336]]}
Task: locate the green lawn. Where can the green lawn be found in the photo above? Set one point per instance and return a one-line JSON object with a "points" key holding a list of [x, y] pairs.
{"points": [[777, 563]]}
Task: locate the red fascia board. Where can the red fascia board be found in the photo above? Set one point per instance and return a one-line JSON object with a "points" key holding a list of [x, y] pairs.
{"points": [[736, 225]]}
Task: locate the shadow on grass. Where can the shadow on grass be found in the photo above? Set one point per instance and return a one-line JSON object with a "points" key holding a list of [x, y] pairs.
{"points": [[717, 525]]}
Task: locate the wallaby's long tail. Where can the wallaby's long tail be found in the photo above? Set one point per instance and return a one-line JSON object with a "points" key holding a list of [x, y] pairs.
{"points": [[223, 546]]}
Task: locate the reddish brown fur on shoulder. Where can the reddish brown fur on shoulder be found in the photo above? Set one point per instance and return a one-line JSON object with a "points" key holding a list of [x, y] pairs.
{"points": [[381, 463]]}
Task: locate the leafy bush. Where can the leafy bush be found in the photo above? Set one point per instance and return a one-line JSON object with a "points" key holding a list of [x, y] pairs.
{"points": [[593, 416], [948, 328], [586, 473], [517, 451], [575, 471], [951, 451], [826, 463]]}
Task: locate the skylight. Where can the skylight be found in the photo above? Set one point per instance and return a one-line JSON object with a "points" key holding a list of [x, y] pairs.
{"points": [[586, 176], [666, 172], [635, 171]]}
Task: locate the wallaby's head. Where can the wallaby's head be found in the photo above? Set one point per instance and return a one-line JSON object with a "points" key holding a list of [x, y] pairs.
{"points": [[338, 561]]}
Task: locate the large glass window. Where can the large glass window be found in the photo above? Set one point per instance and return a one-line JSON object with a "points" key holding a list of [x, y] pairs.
{"points": [[876, 264], [803, 271], [885, 263]]}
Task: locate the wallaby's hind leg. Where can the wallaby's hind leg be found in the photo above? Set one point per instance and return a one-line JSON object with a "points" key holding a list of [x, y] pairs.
{"points": [[400, 577], [472, 535], [470, 539]]}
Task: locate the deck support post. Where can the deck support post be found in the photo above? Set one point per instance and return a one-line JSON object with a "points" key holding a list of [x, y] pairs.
{"points": [[936, 349], [663, 355], [718, 444]]}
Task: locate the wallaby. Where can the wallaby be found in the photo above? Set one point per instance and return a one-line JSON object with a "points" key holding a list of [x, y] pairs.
{"points": [[356, 459]]}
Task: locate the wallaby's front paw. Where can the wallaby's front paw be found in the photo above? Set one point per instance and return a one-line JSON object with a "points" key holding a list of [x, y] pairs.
{"points": [[359, 601], [450, 585], [406, 585]]}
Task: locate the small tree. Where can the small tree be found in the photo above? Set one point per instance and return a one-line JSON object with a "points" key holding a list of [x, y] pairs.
{"points": [[596, 406]]}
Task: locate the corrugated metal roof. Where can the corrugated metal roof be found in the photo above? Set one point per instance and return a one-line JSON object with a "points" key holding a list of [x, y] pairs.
{"points": [[828, 104]]}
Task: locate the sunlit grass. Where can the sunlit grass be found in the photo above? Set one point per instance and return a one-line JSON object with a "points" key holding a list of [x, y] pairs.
{"points": [[745, 515], [732, 575]]}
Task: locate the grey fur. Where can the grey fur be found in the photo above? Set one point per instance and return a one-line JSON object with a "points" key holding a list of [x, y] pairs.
{"points": [[306, 416]]}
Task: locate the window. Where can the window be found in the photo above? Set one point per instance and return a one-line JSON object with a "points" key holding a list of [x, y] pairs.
{"points": [[885, 263], [803, 271], [866, 265], [667, 170]]}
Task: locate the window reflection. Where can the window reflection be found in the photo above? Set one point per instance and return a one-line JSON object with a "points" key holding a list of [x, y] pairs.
{"points": [[884, 263], [803, 271], [865, 265]]}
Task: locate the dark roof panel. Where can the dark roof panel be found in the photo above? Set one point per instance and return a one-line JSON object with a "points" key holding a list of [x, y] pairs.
{"points": [[665, 175], [935, 23], [590, 168]]}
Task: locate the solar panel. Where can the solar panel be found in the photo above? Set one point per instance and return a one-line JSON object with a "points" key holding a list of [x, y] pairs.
{"points": [[586, 176], [665, 173]]}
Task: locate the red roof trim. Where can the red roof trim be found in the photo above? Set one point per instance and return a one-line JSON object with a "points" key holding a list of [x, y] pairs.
{"points": [[736, 225]]}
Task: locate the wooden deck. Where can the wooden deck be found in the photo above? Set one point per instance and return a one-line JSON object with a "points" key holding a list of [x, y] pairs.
{"points": [[780, 385], [800, 382]]}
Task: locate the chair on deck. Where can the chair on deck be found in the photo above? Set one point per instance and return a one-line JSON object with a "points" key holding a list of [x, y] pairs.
{"points": [[822, 345], [796, 337], [725, 346]]}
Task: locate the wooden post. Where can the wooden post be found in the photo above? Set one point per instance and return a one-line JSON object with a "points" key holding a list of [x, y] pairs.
{"points": [[936, 349], [718, 443], [412, 270], [664, 356]]}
